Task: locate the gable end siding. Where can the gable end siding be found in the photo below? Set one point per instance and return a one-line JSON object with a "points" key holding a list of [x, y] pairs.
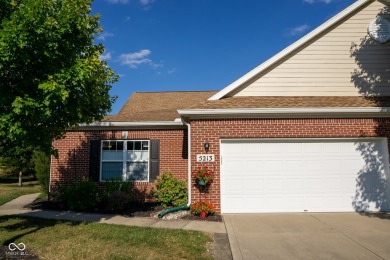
{"points": [[344, 61]]}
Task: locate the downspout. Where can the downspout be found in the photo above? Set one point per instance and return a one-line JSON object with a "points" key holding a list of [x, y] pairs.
{"points": [[186, 207], [189, 159]]}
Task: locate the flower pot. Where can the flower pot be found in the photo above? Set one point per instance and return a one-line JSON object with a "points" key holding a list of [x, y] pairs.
{"points": [[202, 182], [203, 214]]}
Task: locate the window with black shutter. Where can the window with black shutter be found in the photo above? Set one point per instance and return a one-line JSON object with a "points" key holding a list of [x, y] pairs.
{"points": [[129, 160]]}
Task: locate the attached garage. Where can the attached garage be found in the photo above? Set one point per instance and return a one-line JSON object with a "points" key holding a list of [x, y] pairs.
{"points": [[304, 175]]}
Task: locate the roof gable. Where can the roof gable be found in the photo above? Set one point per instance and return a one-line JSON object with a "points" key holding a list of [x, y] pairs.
{"points": [[284, 56]]}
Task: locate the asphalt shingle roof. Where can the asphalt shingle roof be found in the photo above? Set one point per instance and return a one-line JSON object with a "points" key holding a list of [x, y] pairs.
{"points": [[293, 102], [157, 106], [163, 106]]}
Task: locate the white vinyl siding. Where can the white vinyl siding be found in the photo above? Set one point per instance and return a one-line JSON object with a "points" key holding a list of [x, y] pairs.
{"points": [[324, 66]]}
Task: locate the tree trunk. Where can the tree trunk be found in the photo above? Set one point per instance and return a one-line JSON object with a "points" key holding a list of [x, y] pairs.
{"points": [[20, 178]]}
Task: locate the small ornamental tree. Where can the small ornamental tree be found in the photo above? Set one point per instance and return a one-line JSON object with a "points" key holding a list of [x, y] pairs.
{"points": [[51, 77]]}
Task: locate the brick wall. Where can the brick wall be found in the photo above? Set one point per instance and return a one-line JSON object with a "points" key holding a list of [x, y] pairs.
{"points": [[72, 163], [215, 130]]}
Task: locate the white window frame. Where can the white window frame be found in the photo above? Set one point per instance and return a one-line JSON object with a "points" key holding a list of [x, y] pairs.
{"points": [[124, 160]]}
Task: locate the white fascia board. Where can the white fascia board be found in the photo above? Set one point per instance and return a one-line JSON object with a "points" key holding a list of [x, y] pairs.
{"points": [[115, 125], [289, 49], [288, 112]]}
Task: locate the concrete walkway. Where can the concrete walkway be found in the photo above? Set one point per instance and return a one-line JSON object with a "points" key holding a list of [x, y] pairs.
{"points": [[16, 207]]}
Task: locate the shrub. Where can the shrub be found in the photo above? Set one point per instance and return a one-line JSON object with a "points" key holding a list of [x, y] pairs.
{"points": [[42, 169], [169, 191], [117, 194], [81, 196], [118, 200]]}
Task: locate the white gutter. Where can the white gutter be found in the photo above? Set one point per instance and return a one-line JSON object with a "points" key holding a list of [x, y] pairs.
{"points": [[290, 112], [175, 123], [189, 160]]}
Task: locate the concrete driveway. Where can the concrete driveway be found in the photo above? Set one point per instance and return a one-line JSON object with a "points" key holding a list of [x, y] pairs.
{"points": [[309, 236]]}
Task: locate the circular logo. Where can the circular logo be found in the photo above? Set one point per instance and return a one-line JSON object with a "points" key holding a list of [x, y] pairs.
{"points": [[19, 246]]}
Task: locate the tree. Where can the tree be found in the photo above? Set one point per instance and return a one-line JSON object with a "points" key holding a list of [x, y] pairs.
{"points": [[17, 161], [51, 77], [42, 169]]}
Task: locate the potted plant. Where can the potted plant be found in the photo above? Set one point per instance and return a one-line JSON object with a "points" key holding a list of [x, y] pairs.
{"points": [[203, 175], [202, 208]]}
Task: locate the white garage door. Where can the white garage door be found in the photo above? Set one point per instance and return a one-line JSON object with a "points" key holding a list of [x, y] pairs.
{"points": [[291, 175]]}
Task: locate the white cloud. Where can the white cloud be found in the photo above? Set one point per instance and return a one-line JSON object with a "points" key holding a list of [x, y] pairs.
{"points": [[146, 2], [118, 1], [319, 1], [105, 56], [171, 71], [104, 35], [297, 30], [135, 59]]}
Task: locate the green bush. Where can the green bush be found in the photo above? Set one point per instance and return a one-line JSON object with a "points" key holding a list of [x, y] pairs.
{"points": [[117, 194], [42, 169], [80, 196], [118, 200], [169, 191]]}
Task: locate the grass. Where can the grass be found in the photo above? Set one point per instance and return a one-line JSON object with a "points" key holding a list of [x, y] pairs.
{"points": [[10, 191], [54, 239]]}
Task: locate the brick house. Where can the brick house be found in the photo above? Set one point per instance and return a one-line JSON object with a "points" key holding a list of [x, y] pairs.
{"points": [[307, 130]]}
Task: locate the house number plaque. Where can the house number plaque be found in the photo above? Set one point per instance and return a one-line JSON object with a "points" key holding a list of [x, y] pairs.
{"points": [[205, 158]]}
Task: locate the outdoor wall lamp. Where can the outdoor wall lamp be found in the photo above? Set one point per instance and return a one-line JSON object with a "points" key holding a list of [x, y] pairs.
{"points": [[206, 145]]}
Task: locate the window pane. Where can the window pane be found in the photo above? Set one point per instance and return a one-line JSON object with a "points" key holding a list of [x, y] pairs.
{"points": [[119, 146], [134, 155], [113, 145], [112, 156], [145, 145], [106, 145], [137, 171], [137, 145], [112, 170], [130, 146]]}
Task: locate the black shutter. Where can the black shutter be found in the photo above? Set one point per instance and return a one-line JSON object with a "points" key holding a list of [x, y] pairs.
{"points": [[154, 160], [94, 160]]}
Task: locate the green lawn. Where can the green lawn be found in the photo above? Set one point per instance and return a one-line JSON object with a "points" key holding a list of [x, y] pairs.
{"points": [[10, 191], [52, 239]]}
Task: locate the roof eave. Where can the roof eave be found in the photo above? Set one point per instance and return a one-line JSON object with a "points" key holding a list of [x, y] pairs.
{"points": [[335, 19], [177, 124], [333, 112]]}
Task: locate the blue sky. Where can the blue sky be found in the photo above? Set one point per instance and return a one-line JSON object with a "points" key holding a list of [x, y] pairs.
{"points": [[168, 45]]}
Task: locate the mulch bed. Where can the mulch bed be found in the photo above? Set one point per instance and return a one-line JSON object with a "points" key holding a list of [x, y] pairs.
{"points": [[148, 209]]}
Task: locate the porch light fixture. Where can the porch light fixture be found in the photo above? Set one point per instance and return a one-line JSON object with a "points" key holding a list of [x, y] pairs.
{"points": [[206, 145]]}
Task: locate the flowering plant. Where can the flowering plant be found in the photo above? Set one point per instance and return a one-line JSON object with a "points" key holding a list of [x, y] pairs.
{"points": [[202, 206], [203, 175]]}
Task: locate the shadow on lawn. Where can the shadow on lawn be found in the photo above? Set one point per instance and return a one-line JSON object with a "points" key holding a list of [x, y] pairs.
{"points": [[28, 225]]}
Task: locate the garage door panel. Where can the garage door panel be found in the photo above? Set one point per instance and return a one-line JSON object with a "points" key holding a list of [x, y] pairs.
{"points": [[291, 166], [274, 185], [254, 186], [290, 175], [272, 166], [294, 185]]}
